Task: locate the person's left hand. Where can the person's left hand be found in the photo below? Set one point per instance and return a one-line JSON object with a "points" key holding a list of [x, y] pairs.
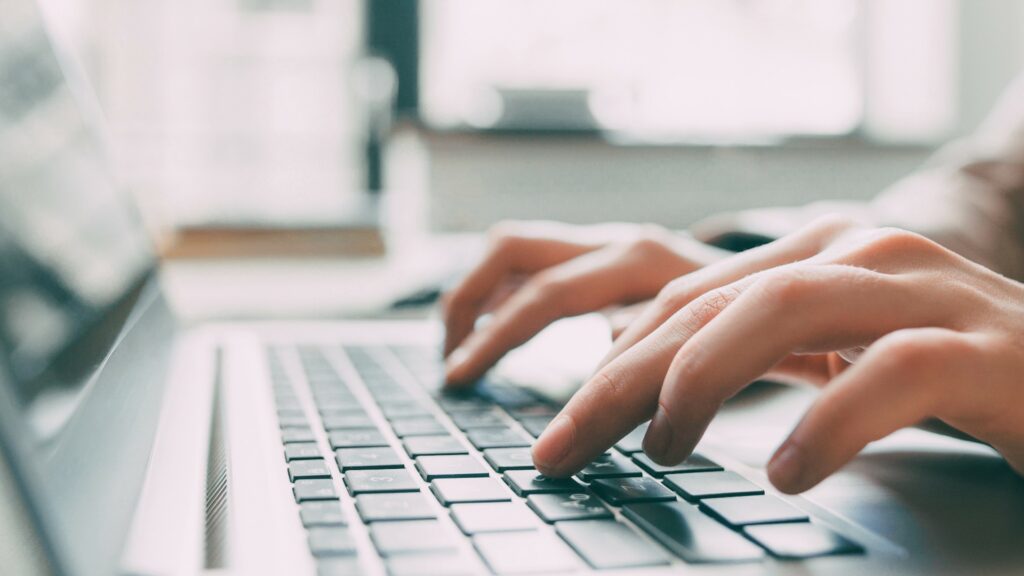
{"points": [[932, 335]]}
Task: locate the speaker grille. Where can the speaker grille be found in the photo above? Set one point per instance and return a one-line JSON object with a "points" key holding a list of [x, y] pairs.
{"points": [[217, 481]]}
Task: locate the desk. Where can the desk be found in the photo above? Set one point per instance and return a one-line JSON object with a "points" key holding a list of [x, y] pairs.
{"points": [[313, 288]]}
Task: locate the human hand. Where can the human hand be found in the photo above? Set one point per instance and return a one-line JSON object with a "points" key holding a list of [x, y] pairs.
{"points": [[940, 336], [619, 318], [537, 272]]}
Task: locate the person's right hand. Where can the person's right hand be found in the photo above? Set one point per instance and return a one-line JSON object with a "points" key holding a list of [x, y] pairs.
{"points": [[537, 272], [894, 328]]}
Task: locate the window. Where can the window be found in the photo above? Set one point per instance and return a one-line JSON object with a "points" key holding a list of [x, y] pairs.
{"points": [[666, 69]]}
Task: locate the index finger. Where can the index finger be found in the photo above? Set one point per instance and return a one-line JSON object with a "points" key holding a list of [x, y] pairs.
{"points": [[509, 253], [796, 310], [621, 395]]}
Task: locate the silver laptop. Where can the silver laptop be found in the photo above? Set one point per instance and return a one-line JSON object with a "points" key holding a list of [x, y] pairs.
{"points": [[132, 445]]}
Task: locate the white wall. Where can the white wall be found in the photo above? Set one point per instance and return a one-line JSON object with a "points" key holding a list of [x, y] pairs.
{"points": [[478, 180]]}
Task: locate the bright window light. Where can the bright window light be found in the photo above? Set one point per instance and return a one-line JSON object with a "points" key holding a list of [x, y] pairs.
{"points": [[657, 68]]}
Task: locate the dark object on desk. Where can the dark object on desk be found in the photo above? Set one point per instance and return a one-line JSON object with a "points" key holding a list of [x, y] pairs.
{"points": [[422, 297]]}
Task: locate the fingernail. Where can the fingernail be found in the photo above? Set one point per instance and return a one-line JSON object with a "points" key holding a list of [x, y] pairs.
{"points": [[786, 469], [659, 436], [456, 360], [554, 445]]}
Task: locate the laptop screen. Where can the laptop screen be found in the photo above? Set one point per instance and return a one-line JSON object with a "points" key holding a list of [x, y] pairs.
{"points": [[80, 348], [72, 250]]}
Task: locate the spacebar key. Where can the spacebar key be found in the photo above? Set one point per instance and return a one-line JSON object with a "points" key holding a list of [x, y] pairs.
{"points": [[690, 534]]}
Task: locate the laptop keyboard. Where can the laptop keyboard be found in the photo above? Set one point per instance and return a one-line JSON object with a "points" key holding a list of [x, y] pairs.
{"points": [[444, 483]]}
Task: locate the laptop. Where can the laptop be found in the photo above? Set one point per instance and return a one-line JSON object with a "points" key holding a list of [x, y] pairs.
{"points": [[130, 444]]}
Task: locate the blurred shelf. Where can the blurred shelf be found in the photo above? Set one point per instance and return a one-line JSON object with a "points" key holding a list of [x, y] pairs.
{"points": [[269, 241]]}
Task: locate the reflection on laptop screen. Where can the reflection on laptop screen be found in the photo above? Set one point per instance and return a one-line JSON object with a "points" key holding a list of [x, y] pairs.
{"points": [[71, 248]]}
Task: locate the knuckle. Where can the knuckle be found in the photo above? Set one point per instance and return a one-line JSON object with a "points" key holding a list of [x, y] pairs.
{"points": [[650, 239], [705, 308], [548, 287], [926, 356], [784, 288], [674, 295], [891, 240], [454, 300], [608, 387], [831, 224], [503, 235], [918, 349]]}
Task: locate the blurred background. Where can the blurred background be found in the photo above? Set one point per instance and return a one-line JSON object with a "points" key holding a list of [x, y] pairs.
{"points": [[471, 111]]}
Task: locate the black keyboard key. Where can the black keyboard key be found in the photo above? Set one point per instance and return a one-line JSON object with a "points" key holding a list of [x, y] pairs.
{"points": [[699, 485], [690, 534], [288, 404], [485, 438], [331, 541], [347, 421], [803, 540], [693, 463], [390, 395], [525, 552], [502, 459], [397, 506], [493, 517], [367, 458], [322, 513], [327, 384], [461, 403], [467, 490], [325, 378], [483, 419], [568, 506], [457, 466], [411, 537], [376, 481], [285, 394], [291, 435], [403, 410], [339, 566], [306, 490], [357, 439], [536, 425], [301, 451], [611, 465], [432, 564], [507, 396], [337, 403], [527, 482], [290, 413], [747, 510], [619, 491], [527, 410], [417, 427], [607, 544], [405, 400], [354, 410], [634, 441], [306, 469], [292, 422], [433, 445]]}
